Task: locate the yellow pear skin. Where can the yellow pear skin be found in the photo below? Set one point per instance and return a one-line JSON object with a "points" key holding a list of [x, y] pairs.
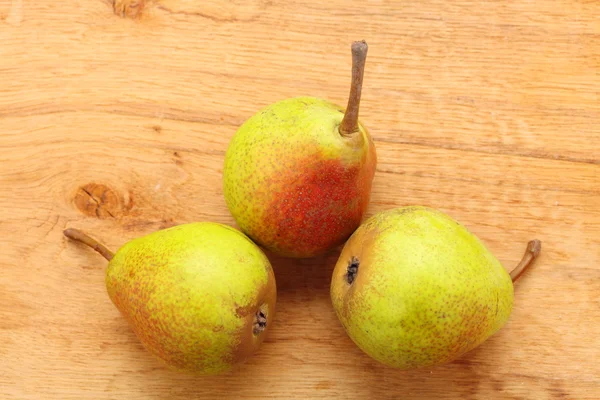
{"points": [[199, 296], [413, 288]]}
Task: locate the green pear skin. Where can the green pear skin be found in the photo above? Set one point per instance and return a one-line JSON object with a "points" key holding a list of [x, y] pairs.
{"points": [[413, 288], [199, 296], [297, 174]]}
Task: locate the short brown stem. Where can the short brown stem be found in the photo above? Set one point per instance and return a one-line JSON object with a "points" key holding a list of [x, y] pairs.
{"points": [[533, 250], [349, 123], [79, 236]]}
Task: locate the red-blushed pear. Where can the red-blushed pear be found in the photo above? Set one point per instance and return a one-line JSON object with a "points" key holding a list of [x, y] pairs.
{"points": [[199, 296], [297, 174], [413, 288]]}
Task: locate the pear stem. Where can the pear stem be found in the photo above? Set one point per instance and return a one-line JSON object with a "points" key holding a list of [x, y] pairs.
{"points": [[79, 236], [349, 123], [533, 250]]}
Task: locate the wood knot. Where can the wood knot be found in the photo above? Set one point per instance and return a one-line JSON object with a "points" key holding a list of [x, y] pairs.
{"points": [[129, 8], [177, 158], [98, 200]]}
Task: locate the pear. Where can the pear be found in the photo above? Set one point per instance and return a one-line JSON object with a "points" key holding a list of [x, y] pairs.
{"points": [[413, 288], [297, 174], [199, 296]]}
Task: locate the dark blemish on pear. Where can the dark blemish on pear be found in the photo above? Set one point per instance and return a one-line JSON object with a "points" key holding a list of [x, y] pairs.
{"points": [[352, 270], [497, 301], [260, 322]]}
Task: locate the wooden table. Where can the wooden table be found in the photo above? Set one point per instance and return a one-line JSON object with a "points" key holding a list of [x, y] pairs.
{"points": [[117, 123]]}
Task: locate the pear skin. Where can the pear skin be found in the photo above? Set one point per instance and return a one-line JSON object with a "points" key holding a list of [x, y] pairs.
{"points": [[297, 174], [413, 288], [199, 296]]}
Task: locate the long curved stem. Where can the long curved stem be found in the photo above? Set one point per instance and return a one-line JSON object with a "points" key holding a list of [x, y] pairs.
{"points": [[349, 123], [533, 250], [79, 236]]}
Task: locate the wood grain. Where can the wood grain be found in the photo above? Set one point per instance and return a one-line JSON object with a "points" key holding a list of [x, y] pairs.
{"points": [[115, 118]]}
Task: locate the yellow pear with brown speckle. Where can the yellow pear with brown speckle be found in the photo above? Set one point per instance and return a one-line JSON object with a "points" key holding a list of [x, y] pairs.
{"points": [[199, 296], [414, 288]]}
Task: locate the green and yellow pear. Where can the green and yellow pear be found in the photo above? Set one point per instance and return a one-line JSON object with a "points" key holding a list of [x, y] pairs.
{"points": [[297, 174], [199, 296], [413, 288]]}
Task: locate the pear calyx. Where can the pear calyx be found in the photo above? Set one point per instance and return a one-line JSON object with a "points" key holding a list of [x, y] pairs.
{"points": [[260, 322], [349, 124], [352, 270]]}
